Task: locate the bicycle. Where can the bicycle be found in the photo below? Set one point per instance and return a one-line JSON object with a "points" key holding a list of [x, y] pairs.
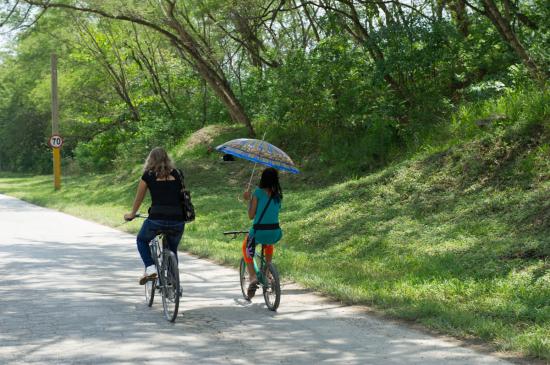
{"points": [[168, 277], [267, 274]]}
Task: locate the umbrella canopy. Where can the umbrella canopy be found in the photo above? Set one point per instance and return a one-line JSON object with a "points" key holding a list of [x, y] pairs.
{"points": [[259, 151]]}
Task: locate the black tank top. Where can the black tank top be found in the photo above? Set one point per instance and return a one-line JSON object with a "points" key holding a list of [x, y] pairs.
{"points": [[164, 193]]}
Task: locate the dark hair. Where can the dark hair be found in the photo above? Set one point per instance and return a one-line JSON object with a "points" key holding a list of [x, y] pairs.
{"points": [[270, 180]]}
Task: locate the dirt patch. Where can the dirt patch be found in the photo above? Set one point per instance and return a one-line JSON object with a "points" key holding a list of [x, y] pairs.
{"points": [[205, 136]]}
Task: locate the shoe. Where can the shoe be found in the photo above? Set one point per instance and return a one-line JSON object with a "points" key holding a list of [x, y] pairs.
{"points": [[252, 289], [150, 274]]}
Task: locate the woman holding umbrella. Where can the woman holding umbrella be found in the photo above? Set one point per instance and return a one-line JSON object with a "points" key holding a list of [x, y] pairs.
{"points": [[263, 207], [265, 202]]}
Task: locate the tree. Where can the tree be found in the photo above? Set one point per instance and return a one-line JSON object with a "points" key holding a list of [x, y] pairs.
{"points": [[101, 45], [174, 23], [503, 22]]}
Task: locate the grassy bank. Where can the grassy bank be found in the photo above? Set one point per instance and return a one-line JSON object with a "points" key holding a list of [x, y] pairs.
{"points": [[456, 238]]}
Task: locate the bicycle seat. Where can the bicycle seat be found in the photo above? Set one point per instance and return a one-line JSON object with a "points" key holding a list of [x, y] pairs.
{"points": [[167, 232]]}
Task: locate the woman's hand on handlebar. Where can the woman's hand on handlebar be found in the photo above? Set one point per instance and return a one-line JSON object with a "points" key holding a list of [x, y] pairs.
{"points": [[246, 195], [129, 216]]}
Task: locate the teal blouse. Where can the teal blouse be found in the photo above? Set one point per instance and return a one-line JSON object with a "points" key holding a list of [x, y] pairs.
{"points": [[271, 216]]}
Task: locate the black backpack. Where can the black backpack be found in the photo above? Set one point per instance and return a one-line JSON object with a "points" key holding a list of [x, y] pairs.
{"points": [[185, 201]]}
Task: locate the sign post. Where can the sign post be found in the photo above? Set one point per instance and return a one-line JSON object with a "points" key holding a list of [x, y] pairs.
{"points": [[55, 141]]}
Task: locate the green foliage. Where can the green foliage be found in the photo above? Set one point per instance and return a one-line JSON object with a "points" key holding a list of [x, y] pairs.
{"points": [[355, 102], [512, 113], [23, 136], [312, 100], [99, 153]]}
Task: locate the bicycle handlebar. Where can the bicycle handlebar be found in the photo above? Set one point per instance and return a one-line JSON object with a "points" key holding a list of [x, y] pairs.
{"points": [[138, 215], [234, 233]]}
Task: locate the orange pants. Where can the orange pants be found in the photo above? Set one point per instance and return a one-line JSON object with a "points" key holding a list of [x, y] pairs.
{"points": [[268, 250]]}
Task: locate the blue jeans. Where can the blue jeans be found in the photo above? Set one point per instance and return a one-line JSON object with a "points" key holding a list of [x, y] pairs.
{"points": [[149, 230]]}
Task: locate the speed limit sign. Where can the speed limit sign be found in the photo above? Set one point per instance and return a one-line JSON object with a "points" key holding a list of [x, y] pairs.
{"points": [[56, 141]]}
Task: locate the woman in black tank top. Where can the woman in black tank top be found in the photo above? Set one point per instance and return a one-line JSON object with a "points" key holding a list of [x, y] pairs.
{"points": [[164, 184]]}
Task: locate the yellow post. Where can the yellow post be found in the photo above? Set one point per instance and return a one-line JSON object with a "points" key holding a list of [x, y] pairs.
{"points": [[55, 128], [57, 168]]}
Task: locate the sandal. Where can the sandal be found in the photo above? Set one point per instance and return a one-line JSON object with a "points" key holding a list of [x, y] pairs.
{"points": [[252, 289]]}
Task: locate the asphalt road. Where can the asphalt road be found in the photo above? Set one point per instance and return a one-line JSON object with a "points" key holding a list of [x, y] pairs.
{"points": [[69, 295]]}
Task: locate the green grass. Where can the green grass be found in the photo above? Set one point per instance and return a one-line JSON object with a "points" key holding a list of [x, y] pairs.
{"points": [[457, 238]]}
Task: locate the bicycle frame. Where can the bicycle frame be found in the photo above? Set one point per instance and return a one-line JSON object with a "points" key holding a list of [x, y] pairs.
{"points": [[157, 247], [259, 270], [266, 273], [170, 289], [168, 280], [257, 257]]}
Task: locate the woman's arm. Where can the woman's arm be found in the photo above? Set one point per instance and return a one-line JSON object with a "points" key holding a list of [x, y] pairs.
{"points": [[252, 206], [140, 195]]}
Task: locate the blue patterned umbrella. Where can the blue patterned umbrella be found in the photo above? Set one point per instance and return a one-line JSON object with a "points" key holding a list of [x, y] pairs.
{"points": [[259, 151]]}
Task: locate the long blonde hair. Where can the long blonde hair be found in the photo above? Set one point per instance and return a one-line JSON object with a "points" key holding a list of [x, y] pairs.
{"points": [[159, 163]]}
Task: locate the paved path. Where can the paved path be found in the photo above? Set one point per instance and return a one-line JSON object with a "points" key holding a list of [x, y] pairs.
{"points": [[69, 296]]}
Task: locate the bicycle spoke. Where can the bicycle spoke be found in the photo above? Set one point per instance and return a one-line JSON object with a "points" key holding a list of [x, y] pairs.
{"points": [[170, 289]]}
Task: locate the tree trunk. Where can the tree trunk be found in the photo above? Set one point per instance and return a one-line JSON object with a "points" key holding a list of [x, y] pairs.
{"points": [[220, 86], [506, 31], [206, 66], [460, 16]]}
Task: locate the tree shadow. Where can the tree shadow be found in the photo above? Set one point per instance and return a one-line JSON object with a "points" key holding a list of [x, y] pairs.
{"points": [[78, 302]]}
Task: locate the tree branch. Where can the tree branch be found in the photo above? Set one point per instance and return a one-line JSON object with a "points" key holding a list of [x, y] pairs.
{"points": [[134, 19], [14, 7]]}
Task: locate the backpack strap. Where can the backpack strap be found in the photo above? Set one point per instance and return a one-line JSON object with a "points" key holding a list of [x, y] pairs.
{"points": [[180, 176], [263, 212]]}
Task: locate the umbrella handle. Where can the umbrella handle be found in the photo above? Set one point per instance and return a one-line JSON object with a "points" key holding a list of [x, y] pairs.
{"points": [[251, 175], [254, 168]]}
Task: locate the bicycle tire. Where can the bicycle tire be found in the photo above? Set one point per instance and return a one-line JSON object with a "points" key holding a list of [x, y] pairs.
{"points": [[244, 279], [150, 287], [272, 291], [170, 285]]}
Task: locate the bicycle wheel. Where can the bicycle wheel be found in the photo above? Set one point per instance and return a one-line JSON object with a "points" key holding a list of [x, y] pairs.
{"points": [[150, 291], [151, 285], [170, 285], [244, 279], [272, 289]]}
